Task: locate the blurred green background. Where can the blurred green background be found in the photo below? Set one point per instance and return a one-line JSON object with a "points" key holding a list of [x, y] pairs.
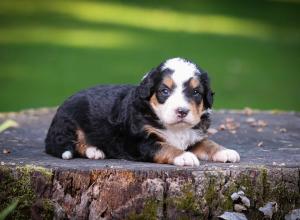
{"points": [[51, 49]]}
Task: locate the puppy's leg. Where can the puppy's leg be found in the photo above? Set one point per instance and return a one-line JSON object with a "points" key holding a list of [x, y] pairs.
{"points": [[85, 150], [209, 150], [161, 152], [172, 155]]}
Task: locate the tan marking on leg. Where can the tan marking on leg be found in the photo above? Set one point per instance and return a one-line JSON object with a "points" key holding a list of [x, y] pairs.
{"points": [[167, 153], [168, 81], [81, 145], [152, 130], [205, 149]]}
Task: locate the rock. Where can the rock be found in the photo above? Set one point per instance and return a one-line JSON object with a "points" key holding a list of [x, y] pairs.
{"points": [[240, 197], [241, 193], [293, 215], [239, 208], [235, 196], [269, 209], [245, 201], [233, 216], [49, 187]]}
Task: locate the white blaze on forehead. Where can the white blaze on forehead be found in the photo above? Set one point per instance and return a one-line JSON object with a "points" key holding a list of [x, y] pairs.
{"points": [[183, 70]]}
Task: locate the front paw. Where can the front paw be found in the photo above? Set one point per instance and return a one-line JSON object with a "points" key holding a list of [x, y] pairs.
{"points": [[186, 159], [226, 155], [94, 153]]}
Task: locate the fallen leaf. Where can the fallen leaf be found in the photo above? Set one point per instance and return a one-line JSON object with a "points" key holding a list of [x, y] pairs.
{"points": [[260, 144], [212, 131], [248, 111], [253, 124], [262, 123], [232, 125], [222, 127], [250, 120], [282, 130], [229, 120], [6, 151], [259, 129], [8, 124]]}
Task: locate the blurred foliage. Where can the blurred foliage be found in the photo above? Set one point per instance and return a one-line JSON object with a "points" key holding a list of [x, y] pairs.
{"points": [[4, 213], [51, 49]]}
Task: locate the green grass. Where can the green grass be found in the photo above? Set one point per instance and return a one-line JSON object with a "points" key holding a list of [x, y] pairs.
{"points": [[51, 49]]}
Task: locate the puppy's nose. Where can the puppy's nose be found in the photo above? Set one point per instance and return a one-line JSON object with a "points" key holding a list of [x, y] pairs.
{"points": [[182, 112]]}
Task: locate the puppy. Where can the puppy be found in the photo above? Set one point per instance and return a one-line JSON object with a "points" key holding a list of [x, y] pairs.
{"points": [[162, 120]]}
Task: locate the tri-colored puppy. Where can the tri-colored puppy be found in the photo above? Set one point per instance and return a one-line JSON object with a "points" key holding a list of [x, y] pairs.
{"points": [[162, 120]]}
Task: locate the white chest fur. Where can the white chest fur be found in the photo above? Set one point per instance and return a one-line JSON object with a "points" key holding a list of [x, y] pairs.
{"points": [[182, 138]]}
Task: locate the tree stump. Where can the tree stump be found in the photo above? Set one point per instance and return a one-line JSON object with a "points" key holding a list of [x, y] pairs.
{"points": [[48, 187]]}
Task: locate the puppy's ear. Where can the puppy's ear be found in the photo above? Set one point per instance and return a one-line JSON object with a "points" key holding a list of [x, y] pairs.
{"points": [[208, 93], [146, 87]]}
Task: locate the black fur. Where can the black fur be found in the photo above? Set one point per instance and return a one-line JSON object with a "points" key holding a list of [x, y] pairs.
{"points": [[113, 117], [208, 94]]}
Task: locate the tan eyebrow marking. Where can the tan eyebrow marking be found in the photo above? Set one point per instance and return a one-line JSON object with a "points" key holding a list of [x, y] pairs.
{"points": [[168, 81], [194, 83]]}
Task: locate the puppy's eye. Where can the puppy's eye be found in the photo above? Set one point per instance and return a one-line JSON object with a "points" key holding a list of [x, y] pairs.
{"points": [[165, 92], [196, 93]]}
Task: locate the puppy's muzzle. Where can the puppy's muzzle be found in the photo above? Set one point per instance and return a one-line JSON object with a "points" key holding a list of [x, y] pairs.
{"points": [[182, 112]]}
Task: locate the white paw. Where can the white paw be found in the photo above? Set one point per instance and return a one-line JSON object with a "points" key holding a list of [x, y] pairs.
{"points": [[226, 155], [94, 153], [186, 159], [67, 155]]}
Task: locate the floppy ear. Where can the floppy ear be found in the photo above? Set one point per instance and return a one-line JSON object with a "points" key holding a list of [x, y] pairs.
{"points": [[146, 87], [208, 93]]}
